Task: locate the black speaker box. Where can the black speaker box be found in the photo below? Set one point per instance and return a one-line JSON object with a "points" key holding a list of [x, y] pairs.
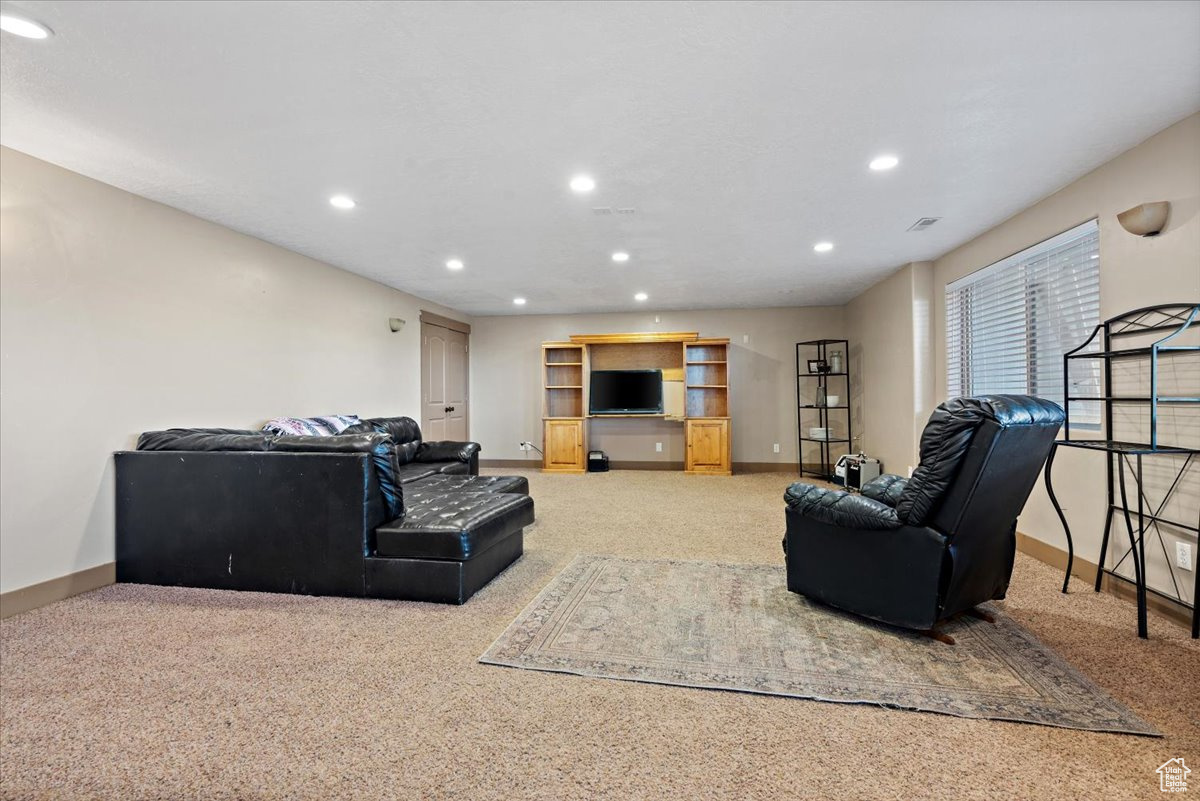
{"points": [[597, 462]]}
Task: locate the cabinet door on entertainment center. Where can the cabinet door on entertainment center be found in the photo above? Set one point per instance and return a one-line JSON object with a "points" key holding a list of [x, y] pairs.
{"points": [[707, 446], [563, 445]]}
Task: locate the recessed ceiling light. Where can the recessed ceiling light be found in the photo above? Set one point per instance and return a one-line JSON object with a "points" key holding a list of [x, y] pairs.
{"points": [[22, 26], [583, 183], [880, 163], [454, 264], [342, 202], [641, 296], [518, 301], [620, 257], [823, 247]]}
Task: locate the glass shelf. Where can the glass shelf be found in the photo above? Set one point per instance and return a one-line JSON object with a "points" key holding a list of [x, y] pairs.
{"points": [[1117, 446]]}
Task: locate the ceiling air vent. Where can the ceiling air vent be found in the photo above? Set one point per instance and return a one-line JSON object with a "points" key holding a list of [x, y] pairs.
{"points": [[923, 223], [626, 211], [602, 210]]}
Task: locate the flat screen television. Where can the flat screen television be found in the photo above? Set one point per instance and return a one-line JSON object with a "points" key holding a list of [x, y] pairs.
{"points": [[626, 392]]}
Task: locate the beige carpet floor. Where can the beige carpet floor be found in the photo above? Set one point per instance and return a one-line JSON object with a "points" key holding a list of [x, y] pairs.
{"points": [[137, 692]]}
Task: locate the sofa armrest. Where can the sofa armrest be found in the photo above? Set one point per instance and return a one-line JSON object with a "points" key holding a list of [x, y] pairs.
{"points": [[840, 508], [446, 451], [885, 489]]}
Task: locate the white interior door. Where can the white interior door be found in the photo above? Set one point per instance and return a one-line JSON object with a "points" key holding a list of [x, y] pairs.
{"points": [[457, 375], [445, 370], [433, 381]]}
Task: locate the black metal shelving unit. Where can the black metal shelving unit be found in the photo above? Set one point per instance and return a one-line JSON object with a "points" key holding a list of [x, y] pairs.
{"points": [[1124, 456], [807, 413]]}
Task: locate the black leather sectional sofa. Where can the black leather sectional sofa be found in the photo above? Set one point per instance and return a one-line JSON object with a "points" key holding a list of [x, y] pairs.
{"points": [[374, 512]]}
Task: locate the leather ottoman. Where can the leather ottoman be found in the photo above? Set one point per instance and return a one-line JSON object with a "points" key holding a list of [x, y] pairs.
{"points": [[451, 483], [447, 546]]}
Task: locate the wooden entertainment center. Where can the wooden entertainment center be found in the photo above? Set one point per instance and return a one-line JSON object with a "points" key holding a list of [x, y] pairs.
{"points": [[695, 375]]}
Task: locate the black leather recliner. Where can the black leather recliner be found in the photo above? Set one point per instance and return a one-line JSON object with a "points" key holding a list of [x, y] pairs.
{"points": [[912, 552]]}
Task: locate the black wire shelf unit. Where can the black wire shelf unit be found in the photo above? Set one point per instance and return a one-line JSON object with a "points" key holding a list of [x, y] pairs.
{"points": [[812, 410], [1141, 517]]}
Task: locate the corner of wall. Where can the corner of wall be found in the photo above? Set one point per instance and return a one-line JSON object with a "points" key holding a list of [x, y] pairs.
{"points": [[921, 276], [888, 325]]}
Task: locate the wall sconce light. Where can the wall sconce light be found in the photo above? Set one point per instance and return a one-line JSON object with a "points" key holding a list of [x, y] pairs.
{"points": [[1147, 219], [395, 323]]}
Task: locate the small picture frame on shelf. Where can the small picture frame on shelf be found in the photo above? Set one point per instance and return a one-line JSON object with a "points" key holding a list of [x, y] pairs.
{"points": [[818, 366]]}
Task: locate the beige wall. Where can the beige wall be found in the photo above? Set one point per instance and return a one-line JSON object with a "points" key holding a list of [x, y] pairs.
{"points": [[1134, 272], [118, 315], [506, 403], [891, 365]]}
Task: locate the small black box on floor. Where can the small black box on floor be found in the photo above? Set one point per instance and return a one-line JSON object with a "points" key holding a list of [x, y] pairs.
{"points": [[597, 462]]}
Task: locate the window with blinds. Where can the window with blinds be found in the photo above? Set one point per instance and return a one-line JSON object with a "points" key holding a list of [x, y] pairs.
{"points": [[1009, 324]]}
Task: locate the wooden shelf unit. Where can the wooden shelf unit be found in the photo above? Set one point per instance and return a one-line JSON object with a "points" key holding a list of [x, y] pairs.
{"points": [[695, 392], [707, 444], [564, 405]]}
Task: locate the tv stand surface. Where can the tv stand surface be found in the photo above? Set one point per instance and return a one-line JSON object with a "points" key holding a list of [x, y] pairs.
{"points": [[656, 415], [695, 392]]}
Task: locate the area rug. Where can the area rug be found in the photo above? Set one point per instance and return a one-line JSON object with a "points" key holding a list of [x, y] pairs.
{"points": [[736, 627]]}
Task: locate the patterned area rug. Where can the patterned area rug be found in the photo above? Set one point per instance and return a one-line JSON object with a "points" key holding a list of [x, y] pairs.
{"points": [[736, 627]]}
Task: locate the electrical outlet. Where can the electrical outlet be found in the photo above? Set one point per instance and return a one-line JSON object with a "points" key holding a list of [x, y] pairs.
{"points": [[745, 339], [1183, 555], [658, 447], [526, 446], [777, 447]]}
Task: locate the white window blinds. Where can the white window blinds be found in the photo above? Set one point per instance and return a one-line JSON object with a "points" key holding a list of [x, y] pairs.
{"points": [[1009, 324]]}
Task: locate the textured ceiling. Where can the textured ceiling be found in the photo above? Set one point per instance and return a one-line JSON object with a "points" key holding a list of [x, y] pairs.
{"points": [[739, 132]]}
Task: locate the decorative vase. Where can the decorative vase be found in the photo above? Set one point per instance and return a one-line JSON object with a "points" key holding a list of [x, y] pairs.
{"points": [[835, 362]]}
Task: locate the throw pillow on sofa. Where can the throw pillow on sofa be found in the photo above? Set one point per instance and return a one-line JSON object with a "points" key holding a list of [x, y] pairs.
{"points": [[326, 426]]}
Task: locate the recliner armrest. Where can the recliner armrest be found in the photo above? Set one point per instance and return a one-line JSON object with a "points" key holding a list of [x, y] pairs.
{"points": [[885, 489], [446, 451], [840, 508]]}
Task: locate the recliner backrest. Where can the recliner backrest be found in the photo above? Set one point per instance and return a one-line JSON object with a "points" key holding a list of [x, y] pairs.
{"points": [[978, 513], [1002, 464], [944, 443], [955, 444]]}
